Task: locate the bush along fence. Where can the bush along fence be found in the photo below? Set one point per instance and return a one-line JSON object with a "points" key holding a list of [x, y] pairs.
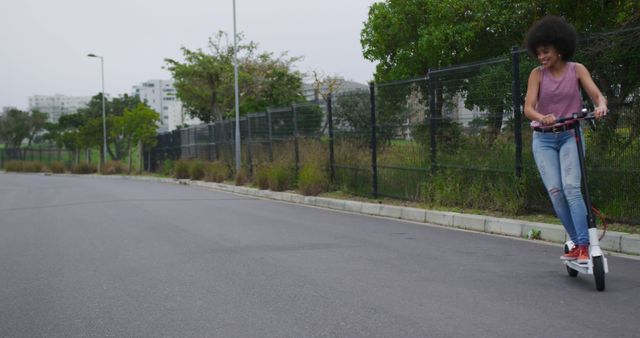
{"points": [[456, 137]]}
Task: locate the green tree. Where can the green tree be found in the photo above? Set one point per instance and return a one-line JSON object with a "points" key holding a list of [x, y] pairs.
{"points": [[114, 107], [408, 37], [53, 134], [90, 134], [268, 81], [14, 128], [18, 126], [69, 129], [94, 107], [490, 91], [37, 122], [205, 80], [137, 126], [352, 115]]}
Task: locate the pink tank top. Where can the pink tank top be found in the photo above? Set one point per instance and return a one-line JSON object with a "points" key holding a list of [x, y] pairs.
{"points": [[560, 97]]}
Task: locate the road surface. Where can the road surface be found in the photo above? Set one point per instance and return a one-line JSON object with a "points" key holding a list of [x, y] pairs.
{"points": [[83, 256]]}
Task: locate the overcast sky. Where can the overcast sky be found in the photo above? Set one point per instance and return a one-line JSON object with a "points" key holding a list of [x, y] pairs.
{"points": [[45, 42]]}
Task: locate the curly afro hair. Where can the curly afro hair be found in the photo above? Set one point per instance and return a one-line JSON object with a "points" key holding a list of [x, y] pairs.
{"points": [[552, 31]]}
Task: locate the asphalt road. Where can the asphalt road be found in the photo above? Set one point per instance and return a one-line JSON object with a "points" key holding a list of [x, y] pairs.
{"points": [[86, 256]]}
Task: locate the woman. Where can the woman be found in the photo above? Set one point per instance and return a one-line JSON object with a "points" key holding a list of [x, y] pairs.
{"points": [[553, 92]]}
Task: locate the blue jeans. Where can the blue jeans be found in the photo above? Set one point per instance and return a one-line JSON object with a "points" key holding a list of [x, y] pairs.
{"points": [[556, 155]]}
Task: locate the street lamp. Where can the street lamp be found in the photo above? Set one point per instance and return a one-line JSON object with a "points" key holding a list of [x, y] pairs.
{"points": [[104, 119], [235, 79]]}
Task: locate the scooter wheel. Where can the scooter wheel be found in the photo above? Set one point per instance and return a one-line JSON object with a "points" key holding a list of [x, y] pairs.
{"points": [[572, 272], [598, 272]]}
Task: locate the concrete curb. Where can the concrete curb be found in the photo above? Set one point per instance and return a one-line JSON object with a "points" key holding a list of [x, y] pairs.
{"points": [[613, 241]]}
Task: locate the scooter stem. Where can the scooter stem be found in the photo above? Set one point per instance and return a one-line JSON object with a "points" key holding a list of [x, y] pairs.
{"points": [[591, 221]]}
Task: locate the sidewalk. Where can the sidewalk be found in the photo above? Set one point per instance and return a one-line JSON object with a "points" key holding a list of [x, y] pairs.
{"points": [[613, 241]]}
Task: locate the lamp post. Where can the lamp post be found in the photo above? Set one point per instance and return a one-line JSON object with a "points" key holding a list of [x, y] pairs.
{"points": [[104, 118], [235, 79]]}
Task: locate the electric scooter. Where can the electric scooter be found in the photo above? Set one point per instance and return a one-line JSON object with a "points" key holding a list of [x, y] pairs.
{"points": [[597, 264]]}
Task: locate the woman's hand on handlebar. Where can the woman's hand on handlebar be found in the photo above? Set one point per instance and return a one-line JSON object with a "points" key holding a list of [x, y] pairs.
{"points": [[600, 111], [548, 120]]}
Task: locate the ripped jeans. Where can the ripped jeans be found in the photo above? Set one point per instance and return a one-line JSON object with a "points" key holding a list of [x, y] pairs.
{"points": [[556, 155]]}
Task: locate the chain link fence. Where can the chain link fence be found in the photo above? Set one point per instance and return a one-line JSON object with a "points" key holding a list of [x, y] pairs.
{"points": [[292, 134]]}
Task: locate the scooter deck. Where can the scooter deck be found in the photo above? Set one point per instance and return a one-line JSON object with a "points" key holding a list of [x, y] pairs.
{"points": [[586, 268]]}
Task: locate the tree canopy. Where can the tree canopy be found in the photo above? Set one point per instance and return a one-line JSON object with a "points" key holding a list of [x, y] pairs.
{"points": [[204, 81], [137, 126], [408, 37], [18, 126], [68, 131], [92, 130]]}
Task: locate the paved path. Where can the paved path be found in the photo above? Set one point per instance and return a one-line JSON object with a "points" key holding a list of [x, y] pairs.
{"points": [[97, 257]]}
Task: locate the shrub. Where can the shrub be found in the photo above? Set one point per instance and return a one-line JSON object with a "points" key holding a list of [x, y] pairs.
{"points": [[534, 234], [216, 172], [241, 177], [280, 177], [57, 167], [84, 168], [166, 167], [485, 190], [181, 170], [261, 176], [196, 170], [312, 179], [13, 166], [32, 166], [113, 168]]}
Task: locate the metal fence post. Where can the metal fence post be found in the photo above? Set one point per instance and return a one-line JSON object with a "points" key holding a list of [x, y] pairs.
{"points": [[432, 118], [193, 140], [332, 160], [215, 138], [196, 143], [374, 142], [270, 135], [249, 150], [229, 124], [210, 142], [148, 166], [296, 148], [517, 114], [176, 135]]}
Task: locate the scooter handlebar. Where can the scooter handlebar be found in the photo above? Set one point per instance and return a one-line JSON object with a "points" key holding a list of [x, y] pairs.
{"points": [[584, 114]]}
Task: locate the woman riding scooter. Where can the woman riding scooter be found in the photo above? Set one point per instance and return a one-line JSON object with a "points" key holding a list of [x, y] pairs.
{"points": [[553, 92]]}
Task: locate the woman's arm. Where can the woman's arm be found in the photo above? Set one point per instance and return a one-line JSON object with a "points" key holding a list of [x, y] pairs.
{"points": [[592, 90], [531, 100]]}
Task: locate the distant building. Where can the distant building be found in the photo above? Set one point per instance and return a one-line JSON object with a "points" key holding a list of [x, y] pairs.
{"points": [[160, 95], [57, 105]]}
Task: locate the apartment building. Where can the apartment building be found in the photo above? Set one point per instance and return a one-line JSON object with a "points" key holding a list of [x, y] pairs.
{"points": [[160, 95], [57, 105]]}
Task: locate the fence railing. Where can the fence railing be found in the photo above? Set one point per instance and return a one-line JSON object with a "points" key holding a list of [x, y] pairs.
{"points": [[454, 137]]}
